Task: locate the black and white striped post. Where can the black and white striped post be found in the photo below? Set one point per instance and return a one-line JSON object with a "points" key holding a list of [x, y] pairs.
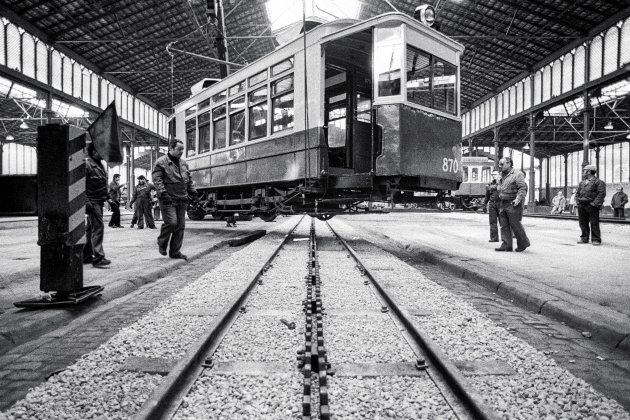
{"points": [[61, 215]]}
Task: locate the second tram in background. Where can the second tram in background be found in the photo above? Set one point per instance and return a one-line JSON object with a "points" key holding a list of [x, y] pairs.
{"points": [[477, 172], [350, 112]]}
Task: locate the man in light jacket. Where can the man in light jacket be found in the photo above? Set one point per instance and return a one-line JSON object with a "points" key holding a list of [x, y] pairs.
{"points": [[512, 192]]}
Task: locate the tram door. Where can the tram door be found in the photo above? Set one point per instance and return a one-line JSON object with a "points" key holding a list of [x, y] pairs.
{"points": [[348, 118]]}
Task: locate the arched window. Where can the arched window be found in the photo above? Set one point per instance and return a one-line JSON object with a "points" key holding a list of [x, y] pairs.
{"points": [[527, 93], [538, 87], [625, 43], [28, 55], [567, 73], [556, 83], [611, 48], [57, 70], [14, 46], [595, 62], [579, 63], [42, 62], [546, 91]]}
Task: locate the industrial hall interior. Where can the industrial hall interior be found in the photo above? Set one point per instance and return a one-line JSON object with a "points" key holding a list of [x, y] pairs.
{"points": [[314, 209]]}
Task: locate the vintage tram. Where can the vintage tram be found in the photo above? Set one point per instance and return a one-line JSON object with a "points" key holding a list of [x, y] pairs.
{"points": [[477, 173], [348, 112]]}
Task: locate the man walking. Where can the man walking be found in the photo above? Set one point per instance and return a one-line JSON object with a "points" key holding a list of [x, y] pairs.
{"points": [[96, 193], [114, 201], [618, 203], [512, 192], [590, 198], [142, 198], [492, 204], [173, 185]]}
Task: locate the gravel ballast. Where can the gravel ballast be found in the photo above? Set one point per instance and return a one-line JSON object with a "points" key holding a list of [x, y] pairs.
{"points": [[537, 388], [96, 387]]}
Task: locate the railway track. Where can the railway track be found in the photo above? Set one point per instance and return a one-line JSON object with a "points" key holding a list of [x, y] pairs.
{"points": [[334, 344]]}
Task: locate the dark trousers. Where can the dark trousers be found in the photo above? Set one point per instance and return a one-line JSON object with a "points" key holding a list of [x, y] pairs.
{"points": [[589, 215], [143, 211], [94, 230], [174, 217], [620, 212], [115, 220], [510, 219], [493, 215]]}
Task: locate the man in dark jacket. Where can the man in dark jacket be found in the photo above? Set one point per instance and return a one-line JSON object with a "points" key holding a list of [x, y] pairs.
{"points": [[142, 198], [173, 185], [618, 203], [492, 204], [512, 190], [590, 198], [114, 201], [96, 193]]}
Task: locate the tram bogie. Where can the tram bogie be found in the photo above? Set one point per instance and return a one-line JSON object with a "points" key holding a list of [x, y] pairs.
{"points": [[321, 130]]}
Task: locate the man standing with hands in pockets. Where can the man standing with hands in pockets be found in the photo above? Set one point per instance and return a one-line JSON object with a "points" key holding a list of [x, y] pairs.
{"points": [[512, 192]]}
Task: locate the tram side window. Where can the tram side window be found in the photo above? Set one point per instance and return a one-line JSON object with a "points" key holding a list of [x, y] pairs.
{"points": [[282, 104], [474, 175], [419, 77], [258, 113], [191, 136], [485, 174], [204, 132], [465, 170], [444, 77], [237, 120], [388, 69], [218, 127], [430, 81]]}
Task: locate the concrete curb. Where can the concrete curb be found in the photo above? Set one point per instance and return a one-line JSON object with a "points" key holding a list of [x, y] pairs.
{"points": [[28, 325], [605, 326]]}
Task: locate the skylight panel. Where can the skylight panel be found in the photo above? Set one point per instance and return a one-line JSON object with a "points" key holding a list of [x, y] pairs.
{"points": [[282, 15]]}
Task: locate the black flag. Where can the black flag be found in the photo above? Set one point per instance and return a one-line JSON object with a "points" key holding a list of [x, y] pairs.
{"points": [[105, 133]]}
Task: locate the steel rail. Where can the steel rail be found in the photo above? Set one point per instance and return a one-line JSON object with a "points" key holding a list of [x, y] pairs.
{"points": [[166, 398], [575, 217], [471, 399]]}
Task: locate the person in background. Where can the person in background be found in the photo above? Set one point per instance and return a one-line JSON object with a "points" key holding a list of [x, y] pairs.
{"points": [[559, 203], [572, 202], [492, 205], [174, 185], [618, 202], [590, 198], [114, 201], [96, 194], [512, 191], [142, 198]]}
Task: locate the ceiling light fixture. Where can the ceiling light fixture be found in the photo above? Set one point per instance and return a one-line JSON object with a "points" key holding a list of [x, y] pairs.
{"points": [[9, 137], [628, 135], [24, 126], [526, 147], [608, 126]]}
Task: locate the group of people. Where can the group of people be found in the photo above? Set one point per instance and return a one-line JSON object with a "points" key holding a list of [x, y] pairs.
{"points": [[172, 186], [145, 199], [506, 193], [617, 203]]}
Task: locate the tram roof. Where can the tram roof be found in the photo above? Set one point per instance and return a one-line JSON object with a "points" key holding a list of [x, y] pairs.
{"points": [[126, 41]]}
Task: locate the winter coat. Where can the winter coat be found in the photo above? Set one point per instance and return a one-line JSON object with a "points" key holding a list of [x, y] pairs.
{"points": [[173, 178], [619, 200], [114, 191], [512, 185], [142, 193], [492, 192], [591, 192], [95, 180]]}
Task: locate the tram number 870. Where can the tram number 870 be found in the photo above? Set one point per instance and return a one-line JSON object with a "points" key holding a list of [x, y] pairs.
{"points": [[450, 165]]}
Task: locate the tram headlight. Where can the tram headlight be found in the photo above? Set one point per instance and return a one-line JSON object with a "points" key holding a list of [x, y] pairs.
{"points": [[425, 14]]}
